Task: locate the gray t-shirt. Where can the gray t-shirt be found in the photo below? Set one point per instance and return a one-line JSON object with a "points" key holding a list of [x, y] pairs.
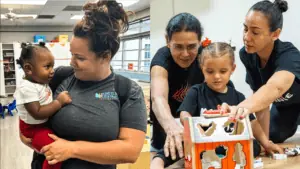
{"points": [[94, 114]]}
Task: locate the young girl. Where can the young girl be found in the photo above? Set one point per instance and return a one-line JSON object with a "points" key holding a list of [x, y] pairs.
{"points": [[217, 64], [34, 97]]}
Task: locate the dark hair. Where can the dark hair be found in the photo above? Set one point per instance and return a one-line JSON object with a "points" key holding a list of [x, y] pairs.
{"points": [[273, 11], [184, 22], [28, 52], [102, 23], [216, 49]]}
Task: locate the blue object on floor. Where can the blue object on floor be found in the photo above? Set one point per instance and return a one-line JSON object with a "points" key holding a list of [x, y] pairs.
{"points": [[10, 107], [1, 111]]}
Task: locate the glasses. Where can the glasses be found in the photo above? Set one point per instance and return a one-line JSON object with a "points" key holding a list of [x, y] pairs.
{"points": [[189, 48]]}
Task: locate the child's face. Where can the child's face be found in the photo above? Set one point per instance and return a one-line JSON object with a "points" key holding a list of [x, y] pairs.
{"points": [[42, 66], [217, 72]]}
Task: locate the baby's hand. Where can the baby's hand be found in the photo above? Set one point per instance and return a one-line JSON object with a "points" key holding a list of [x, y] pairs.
{"points": [[64, 98]]}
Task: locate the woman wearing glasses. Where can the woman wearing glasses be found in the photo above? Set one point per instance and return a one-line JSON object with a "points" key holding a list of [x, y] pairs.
{"points": [[174, 69]]}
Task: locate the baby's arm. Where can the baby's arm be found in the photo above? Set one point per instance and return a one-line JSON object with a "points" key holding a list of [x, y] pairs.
{"points": [[42, 112]]}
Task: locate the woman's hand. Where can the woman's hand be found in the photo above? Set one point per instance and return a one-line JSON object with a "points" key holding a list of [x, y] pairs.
{"points": [[272, 148], [235, 111], [58, 151], [174, 141]]}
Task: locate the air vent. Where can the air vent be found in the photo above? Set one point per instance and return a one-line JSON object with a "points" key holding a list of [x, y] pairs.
{"points": [[72, 8], [45, 16]]}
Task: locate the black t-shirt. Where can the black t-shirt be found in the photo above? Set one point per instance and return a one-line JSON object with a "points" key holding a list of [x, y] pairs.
{"points": [[200, 98], [285, 56], [180, 80]]}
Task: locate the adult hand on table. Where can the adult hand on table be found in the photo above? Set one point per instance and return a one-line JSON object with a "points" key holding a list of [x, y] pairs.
{"points": [[58, 151], [174, 141]]}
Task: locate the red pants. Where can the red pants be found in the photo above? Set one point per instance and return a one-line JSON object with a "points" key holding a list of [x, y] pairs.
{"points": [[39, 135]]}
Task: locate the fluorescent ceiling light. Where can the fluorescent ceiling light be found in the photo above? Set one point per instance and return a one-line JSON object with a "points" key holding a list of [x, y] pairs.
{"points": [[24, 2], [127, 3], [24, 15], [19, 16], [77, 17]]}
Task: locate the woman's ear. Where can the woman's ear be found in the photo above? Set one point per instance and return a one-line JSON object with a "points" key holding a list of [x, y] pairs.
{"points": [[275, 34], [27, 68], [167, 41]]}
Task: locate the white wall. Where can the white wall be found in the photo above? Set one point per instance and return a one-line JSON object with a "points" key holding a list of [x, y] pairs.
{"points": [[222, 21], [140, 14], [160, 12]]}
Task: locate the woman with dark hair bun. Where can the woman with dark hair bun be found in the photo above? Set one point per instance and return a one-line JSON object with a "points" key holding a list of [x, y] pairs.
{"points": [[106, 122], [273, 72]]}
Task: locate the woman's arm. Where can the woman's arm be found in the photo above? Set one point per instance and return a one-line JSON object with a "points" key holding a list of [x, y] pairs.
{"points": [[260, 136], [263, 118], [125, 149], [159, 97], [276, 86]]}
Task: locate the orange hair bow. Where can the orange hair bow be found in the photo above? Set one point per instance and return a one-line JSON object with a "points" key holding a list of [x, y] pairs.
{"points": [[206, 42]]}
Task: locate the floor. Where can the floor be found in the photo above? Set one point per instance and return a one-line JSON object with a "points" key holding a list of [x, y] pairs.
{"points": [[13, 155]]}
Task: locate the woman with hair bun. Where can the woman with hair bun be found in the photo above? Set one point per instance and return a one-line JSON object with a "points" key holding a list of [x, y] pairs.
{"points": [[273, 72], [106, 122]]}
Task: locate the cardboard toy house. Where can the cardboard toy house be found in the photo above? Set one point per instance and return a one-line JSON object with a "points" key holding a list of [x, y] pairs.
{"points": [[218, 143]]}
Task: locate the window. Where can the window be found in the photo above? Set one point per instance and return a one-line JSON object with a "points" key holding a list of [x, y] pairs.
{"points": [[131, 44], [147, 55], [133, 29], [134, 52]]}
